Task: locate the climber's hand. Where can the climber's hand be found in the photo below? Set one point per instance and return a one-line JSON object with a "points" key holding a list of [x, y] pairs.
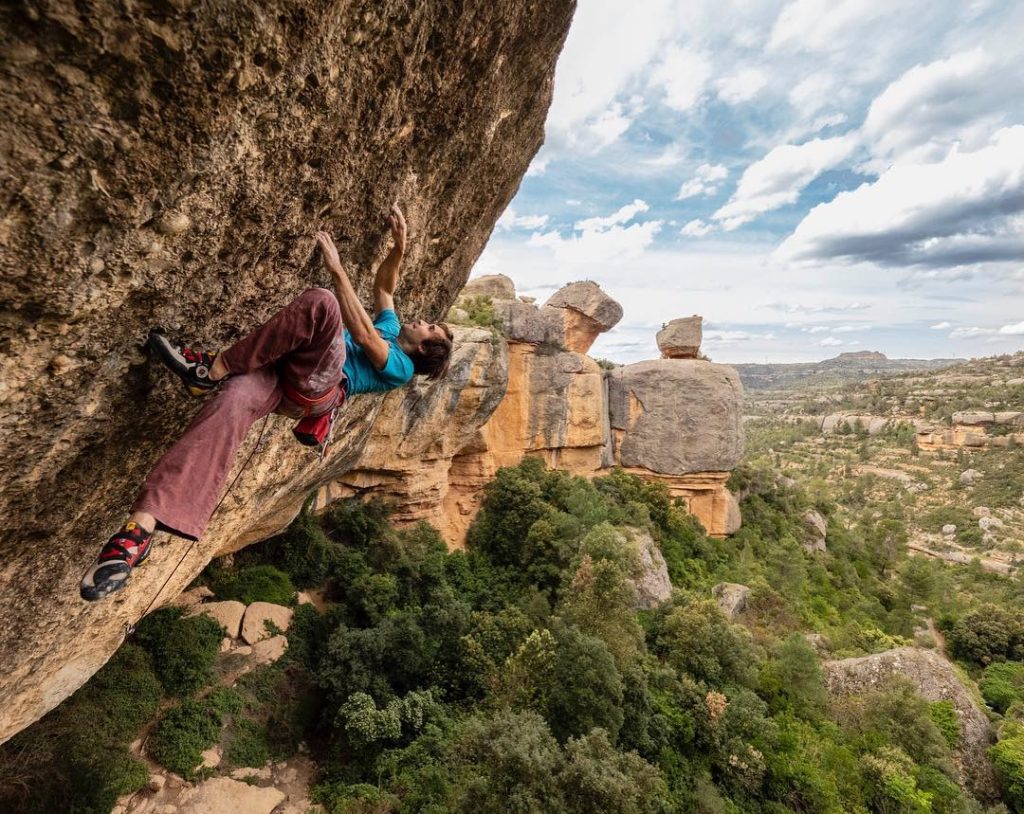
{"points": [[396, 220], [330, 252]]}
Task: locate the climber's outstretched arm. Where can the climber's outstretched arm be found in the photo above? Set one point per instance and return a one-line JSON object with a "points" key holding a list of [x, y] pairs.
{"points": [[386, 281], [357, 321]]}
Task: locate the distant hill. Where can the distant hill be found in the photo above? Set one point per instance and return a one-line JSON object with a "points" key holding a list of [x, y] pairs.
{"points": [[844, 368]]}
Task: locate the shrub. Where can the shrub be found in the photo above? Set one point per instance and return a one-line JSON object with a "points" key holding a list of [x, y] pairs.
{"points": [[247, 743], [699, 641], [988, 633], [1002, 684], [258, 583], [184, 648], [181, 736], [944, 715], [1008, 759], [76, 758], [303, 550]]}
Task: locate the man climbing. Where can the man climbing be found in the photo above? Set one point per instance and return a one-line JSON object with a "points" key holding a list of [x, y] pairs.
{"points": [[303, 363]]}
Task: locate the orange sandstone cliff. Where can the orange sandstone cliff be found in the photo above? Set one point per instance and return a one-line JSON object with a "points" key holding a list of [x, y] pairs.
{"points": [[535, 392]]}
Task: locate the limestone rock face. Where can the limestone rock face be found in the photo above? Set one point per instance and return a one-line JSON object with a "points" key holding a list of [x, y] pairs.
{"points": [[676, 415], [681, 338], [167, 164], [936, 680], [817, 529]]}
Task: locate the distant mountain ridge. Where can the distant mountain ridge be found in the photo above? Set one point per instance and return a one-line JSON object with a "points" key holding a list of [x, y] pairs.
{"points": [[846, 367]]}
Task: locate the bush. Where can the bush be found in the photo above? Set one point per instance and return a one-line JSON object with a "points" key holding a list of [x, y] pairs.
{"points": [[1002, 684], [1008, 759], [181, 736], [183, 648], [76, 758], [988, 633], [247, 743], [258, 583]]}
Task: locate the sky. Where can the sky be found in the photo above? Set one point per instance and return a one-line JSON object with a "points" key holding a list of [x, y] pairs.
{"points": [[812, 176]]}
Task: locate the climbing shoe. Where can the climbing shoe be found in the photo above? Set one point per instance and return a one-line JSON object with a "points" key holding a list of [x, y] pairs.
{"points": [[315, 431], [191, 366], [124, 551]]}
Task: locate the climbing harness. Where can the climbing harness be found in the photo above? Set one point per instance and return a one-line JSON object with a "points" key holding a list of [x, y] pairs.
{"points": [[129, 628]]}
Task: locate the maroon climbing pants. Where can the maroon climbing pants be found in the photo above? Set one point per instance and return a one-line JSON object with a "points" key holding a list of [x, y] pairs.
{"points": [[302, 344]]}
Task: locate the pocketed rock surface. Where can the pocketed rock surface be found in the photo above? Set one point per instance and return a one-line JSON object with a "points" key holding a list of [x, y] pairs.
{"points": [[167, 165]]}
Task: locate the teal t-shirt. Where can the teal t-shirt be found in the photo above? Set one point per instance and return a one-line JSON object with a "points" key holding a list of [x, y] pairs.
{"points": [[362, 376]]}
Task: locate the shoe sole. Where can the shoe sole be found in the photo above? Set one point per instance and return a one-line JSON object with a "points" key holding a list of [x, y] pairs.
{"points": [[112, 586], [174, 362]]}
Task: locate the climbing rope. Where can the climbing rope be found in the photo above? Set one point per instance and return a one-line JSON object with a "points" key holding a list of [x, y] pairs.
{"points": [[129, 628]]}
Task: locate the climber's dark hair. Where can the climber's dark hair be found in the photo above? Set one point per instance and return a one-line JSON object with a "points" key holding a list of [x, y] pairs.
{"points": [[433, 360]]}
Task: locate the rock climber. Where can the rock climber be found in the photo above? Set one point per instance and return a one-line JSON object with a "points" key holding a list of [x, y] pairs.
{"points": [[303, 363]]}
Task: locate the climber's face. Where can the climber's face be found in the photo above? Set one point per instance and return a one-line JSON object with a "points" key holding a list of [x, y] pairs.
{"points": [[416, 332]]}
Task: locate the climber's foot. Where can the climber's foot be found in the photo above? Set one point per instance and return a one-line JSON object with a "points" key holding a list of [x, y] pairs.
{"points": [[193, 367], [126, 550]]}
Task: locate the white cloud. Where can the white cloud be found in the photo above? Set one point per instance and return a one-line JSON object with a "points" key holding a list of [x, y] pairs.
{"points": [[510, 220], [812, 93], [930, 107], [741, 86], [601, 238], [622, 215], [696, 228], [817, 25], [705, 181], [815, 329], [963, 210], [670, 157], [778, 178], [970, 333], [941, 326], [683, 75], [608, 44], [1012, 330], [830, 342]]}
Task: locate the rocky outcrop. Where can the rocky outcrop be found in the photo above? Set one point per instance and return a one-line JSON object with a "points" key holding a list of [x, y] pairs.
{"points": [[732, 598], [679, 421], [167, 165], [652, 583], [534, 391], [935, 679], [974, 429]]}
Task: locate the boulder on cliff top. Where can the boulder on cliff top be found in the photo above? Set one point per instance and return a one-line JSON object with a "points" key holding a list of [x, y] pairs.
{"points": [[588, 298], [495, 286], [681, 338], [676, 416], [178, 182]]}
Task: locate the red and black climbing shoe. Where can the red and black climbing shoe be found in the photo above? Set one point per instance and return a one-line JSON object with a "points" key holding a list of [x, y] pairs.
{"points": [[315, 431], [191, 366], [124, 551]]}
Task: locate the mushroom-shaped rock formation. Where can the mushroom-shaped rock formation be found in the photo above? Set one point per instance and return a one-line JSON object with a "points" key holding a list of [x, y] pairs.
{"points": [[587, 313], [194, 150]]}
